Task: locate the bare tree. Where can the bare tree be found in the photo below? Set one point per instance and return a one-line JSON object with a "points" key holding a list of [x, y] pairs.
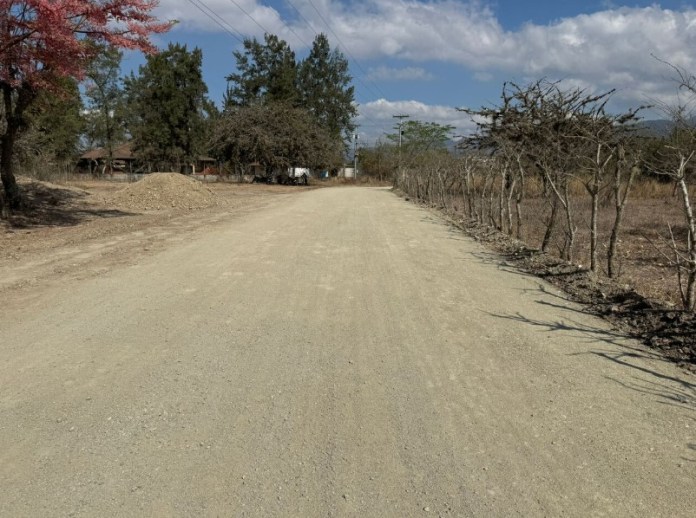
{"points": [[602, 139], [677, 161], [625, 171]]}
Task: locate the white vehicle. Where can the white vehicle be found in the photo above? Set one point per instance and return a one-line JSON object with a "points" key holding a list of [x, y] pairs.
{"points": [[299, 175]]}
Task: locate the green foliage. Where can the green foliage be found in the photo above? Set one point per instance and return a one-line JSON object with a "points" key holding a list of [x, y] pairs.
{"points": [[418, 137], [53, 125], [105, 101], [276, 135], [419, 140], [167, 108], [324, 86], [266, 72]]}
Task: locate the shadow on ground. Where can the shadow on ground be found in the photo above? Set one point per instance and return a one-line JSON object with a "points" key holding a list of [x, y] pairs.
{"points": [[667, 389], [669, 330], [48, 205]]}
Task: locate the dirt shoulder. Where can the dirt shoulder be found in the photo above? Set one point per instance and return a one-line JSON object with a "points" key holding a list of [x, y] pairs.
{"points": [[84, 228], [656, 323]]}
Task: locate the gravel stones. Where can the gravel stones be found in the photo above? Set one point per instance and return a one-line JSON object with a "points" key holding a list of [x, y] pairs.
{"points": [[159, 191]]}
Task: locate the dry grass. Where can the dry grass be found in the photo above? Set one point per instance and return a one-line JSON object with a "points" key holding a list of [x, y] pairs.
{"points": [[652, 208]]}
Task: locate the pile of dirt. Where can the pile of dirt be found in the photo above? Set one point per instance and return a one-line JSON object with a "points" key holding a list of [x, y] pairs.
{"points": [[158, 191]]}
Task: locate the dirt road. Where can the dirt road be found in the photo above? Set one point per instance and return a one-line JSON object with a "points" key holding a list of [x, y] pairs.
{"points": [[340, 353]]}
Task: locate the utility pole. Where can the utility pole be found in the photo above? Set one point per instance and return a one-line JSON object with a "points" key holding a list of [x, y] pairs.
{"points": [[401, 118], [355, 156]]}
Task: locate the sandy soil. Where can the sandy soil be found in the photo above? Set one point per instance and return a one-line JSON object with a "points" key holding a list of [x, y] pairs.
{"points": [[339, 353], [85, 228]]}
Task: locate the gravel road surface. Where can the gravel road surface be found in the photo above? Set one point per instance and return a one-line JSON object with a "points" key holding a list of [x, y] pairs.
{"points": [[340, 353]]}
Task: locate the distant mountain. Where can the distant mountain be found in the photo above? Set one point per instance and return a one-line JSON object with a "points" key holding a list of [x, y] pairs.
{"points": [[655, 128], [646, 128], [451, 144]]}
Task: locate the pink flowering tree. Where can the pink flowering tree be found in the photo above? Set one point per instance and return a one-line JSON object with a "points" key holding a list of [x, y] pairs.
{"points": [[43, 41]]}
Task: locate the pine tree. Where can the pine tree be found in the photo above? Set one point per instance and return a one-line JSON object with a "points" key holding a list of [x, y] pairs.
{"points": [[166, 108], [266, 72], [105, 98], [325, 90]]}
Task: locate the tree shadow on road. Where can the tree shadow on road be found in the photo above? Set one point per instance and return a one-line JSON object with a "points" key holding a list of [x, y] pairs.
{"points": [[668, 389], [579, 330], [644, 377], [692, 447], [50, 205]]}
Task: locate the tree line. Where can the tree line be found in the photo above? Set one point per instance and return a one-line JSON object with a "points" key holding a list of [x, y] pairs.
{"points": [[276, 111], [63, 92]]}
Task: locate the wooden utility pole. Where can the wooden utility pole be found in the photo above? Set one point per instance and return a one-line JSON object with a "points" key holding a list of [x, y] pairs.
{"points": [[401, 118], [355, 156]]}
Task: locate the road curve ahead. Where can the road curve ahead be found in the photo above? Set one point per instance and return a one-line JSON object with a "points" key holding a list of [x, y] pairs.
{"points": [[342, 353]]}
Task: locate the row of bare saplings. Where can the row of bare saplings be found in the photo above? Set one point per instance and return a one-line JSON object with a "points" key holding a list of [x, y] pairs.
{"points": [[545, 140]]}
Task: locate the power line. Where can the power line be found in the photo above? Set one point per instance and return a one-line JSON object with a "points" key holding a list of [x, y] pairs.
{"points": [[250, 16], [357, 63], [345, 47], [309, 24], [264, 28], [286, 25], [401, 118], [217, 19], [316, 32], [227, 27]]}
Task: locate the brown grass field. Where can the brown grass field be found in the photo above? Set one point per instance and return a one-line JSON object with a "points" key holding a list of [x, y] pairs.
{"points": [[644, 252], [645, 239]]}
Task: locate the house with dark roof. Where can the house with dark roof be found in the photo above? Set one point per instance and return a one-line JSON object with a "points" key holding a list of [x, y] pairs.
{"points": [[96, 160], [123, 160]]}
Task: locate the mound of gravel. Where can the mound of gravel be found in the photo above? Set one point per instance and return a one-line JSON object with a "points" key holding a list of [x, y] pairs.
{"points": [[159, 191]]}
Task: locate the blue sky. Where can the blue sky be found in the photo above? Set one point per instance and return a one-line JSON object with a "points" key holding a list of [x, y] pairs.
{"points": [[424, 58]]}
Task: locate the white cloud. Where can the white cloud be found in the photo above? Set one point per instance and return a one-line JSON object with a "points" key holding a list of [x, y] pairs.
{"points": [[246, 18], [383, 73], [606, 49], [377, 117]]}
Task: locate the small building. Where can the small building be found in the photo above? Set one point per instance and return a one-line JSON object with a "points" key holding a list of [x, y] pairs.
{"points": [[125, 162], [95, 160], [205, 165]]}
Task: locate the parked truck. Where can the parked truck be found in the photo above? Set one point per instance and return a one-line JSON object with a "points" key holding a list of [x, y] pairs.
{"points": [[291, 176]]}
